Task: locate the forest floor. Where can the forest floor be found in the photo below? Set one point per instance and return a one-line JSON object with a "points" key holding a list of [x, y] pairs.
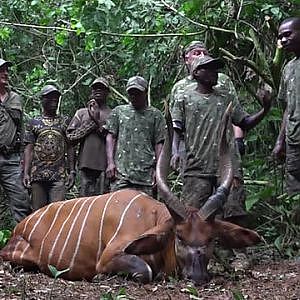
{"points": [[268, 277]]}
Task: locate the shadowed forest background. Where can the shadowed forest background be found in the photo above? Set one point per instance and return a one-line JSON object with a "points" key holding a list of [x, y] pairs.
{"points": [[69, 43]]}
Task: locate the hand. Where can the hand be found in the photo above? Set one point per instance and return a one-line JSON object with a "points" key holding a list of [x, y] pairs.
{"points": [[265, 97], [279, 151], [174, 163], [70, 180], [111, 171], [26, 181], [94, 110]]}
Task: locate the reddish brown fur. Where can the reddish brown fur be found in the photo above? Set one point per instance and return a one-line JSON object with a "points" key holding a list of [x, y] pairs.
{"points": [[146, 230]]}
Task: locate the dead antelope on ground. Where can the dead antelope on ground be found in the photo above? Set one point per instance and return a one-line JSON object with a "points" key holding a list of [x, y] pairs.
{"points": [[129, 232]]}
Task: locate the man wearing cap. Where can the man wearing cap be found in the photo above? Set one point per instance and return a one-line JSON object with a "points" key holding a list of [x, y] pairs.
{"points": [[134, 140], [46, 146], [86, 128], [236, 200], [10, 142], [198, 113]]}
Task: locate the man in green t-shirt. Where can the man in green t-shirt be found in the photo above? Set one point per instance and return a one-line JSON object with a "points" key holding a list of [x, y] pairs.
{"points": [[134, 140], [289, 92], [198, 113]]}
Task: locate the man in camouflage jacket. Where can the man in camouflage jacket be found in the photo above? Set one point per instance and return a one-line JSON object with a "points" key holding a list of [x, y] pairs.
{"points": [[10, 142]]}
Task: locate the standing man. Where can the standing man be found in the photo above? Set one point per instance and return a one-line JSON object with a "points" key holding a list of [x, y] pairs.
{"points": [[235, 206], [10, 142], [288, 140], [46, 145], [197, 113], [87, 129], [134, 140]]}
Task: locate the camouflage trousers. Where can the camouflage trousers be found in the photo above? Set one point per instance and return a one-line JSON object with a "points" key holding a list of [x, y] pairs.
{"points": [[119, 184], [292, 169], [93, 182], [10, 179], [196, 191], [45, 192]]}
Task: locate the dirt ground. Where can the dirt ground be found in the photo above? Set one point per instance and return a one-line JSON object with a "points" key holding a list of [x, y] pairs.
{"points": [[265, 279]]}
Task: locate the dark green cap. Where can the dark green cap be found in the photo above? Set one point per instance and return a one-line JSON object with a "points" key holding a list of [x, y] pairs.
{"points": [[206, 60], [137, 82], [193, 45], [3, 62], [100, 80], [47, 89]]}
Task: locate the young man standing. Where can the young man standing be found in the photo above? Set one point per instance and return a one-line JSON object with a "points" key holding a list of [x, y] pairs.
{"points": [[10, 142], [45, 166], [134, 140], [198, 113], [87, 129], [235, 205], [288, 140]]}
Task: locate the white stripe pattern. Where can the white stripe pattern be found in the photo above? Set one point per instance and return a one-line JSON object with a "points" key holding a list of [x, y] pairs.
{"points": [[60, 231], [101, 224], [82, 227], [49, 230], [122, 217], [22, 234], [71, 229], [34, 227]]}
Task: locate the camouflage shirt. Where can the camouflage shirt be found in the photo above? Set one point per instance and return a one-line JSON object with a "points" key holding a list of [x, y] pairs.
{"points": [[9, 126], [49, 141], [289, 92], [199, 117], [137, 133], [224, 83]]}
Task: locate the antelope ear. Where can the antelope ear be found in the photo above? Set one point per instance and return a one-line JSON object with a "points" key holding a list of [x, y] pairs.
{"points": [[234, 236], [151, 241]]}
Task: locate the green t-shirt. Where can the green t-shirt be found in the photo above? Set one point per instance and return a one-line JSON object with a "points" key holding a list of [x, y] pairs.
{"points": [[289, 92], [199, 116], [224, 83], [137, 133]]}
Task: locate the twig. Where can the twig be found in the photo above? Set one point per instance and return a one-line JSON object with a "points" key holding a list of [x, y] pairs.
{"points": [[208, 27], [137, 35]]}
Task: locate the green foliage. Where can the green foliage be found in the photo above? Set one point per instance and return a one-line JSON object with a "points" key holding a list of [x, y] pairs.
{"points": [[121, 294], [4, 237], [56, 273], [69, 43]]}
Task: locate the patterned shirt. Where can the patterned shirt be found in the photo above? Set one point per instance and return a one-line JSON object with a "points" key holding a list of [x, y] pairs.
{"points": [[49, 140], [289, 92], [137, 133], [199, 116]]}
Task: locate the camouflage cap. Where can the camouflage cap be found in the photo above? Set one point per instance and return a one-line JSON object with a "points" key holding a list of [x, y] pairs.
{"points": [[137, 82], [3, 62], [100, 80], [47, 89], [206, 60], [192, 45]]}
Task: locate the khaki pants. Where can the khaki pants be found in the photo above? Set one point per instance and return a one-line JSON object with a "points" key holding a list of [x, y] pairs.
{"points": [[45, 192], [10, 179], [196, 191]]}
